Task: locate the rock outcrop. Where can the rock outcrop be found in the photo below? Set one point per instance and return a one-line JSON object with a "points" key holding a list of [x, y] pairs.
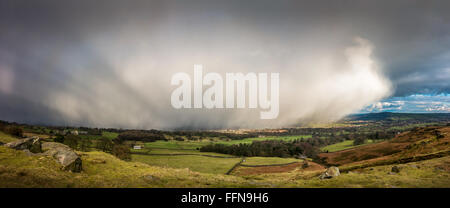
{"points": [[69, 160], [330, 173], [33, 144]]}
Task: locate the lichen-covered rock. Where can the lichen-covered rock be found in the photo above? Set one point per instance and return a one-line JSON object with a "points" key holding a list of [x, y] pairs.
{"points": [[33, 144], [395, 169], [151, 178], [305, 164], [64, 155], [330, 173]]}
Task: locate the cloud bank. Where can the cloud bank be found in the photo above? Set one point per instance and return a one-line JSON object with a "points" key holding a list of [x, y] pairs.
{"points": [[109, 63], [134, 92]]}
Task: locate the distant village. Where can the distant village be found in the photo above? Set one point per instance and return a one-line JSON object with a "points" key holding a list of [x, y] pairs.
{"points": [[67, 132]]}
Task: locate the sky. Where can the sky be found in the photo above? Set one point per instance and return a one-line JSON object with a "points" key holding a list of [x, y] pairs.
{"points": [[416, 103], [109, 63]]}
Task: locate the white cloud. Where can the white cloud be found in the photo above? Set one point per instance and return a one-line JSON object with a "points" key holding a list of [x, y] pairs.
{"points": [[385, 106], [321, 87], [414, 103]]}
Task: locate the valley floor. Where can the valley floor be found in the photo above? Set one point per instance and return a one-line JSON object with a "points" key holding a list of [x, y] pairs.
{"points": [[103, 170], [421, 157]]}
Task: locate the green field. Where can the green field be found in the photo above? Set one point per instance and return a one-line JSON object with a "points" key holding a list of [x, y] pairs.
{"points": [[250, 140], [193, 162], [192, 145], [175, 151], [110, 135], [269, 160], [107, 134], [172, 144], [344, 145]]}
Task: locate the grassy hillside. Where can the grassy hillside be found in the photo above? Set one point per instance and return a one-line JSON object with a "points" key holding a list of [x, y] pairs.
{"points": [[423, 174], [421, 141], [101, 170], [422, 156], [104, 170], [5, 138], [343, 146]]}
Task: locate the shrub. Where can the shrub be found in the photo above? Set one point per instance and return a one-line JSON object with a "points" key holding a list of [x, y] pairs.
{"points": [[305, 164], [122, 152], [179, 138], [71, 141], [85, 143], [359, 141], [59, 138], [104, 144], [140, 136], [269, 148], [14, 130]]}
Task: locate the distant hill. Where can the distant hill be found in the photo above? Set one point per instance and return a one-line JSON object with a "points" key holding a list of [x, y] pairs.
{"points": [[388, 116]]}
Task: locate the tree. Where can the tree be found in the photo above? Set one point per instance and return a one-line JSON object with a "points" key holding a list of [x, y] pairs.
{"points": [[118, 140], [359, 141], [14, 130], [71, 141], [266, 148], [59, 138], [121, 151], [105, 144], [85, 143], [146, 136]]}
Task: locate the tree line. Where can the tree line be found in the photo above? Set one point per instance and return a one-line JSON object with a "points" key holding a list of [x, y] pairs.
{"points": [[267, 148], [115, 147]]}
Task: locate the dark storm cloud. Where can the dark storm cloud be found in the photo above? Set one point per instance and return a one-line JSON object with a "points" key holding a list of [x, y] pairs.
{"points": [[108, 62]]}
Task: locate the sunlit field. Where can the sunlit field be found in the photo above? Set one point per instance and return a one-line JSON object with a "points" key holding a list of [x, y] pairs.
{"points": [[196, 163], [344, 145]]}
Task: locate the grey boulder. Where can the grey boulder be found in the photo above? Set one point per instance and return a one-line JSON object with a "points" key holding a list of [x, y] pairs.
{"points": [[330, 173], [33, 144], [69, 160]]}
